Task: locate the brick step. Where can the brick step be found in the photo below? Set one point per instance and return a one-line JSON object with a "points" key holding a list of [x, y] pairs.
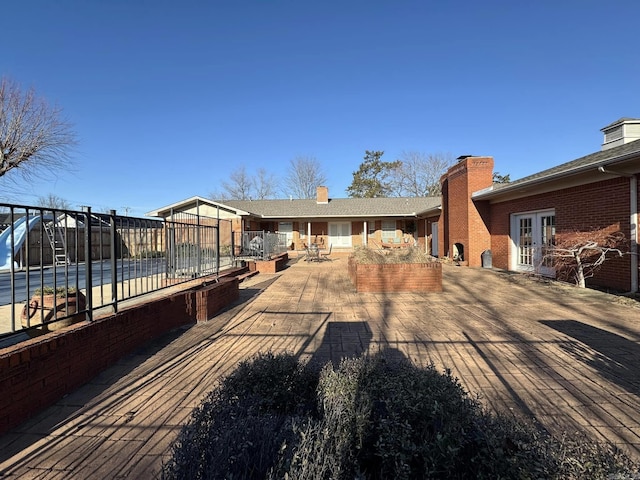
{"points": [[249, 274]]}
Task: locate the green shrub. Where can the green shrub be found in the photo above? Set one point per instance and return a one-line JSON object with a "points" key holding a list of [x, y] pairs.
{"points": [[370, 418], [240, 427], [59, 292]]}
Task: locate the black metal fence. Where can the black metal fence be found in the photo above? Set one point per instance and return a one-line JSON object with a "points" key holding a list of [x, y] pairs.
{"points": [[60, 266], [259, 245]]}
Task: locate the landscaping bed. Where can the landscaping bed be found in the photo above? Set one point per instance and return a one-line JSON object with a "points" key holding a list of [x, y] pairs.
{"points": [[406, 270], [371, 417]]}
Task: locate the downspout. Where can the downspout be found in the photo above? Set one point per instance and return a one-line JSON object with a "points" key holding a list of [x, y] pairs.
{"points": [[633, 223], [634, 233]]}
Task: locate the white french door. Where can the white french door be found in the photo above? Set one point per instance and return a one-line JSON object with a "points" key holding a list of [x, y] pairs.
{"points": [[533, 233], [340, 234]]}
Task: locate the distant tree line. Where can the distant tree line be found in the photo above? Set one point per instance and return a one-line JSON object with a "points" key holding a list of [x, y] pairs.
{"points": [[414, 174]]}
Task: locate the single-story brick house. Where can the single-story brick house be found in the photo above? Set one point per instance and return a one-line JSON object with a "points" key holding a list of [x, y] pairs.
{"points": [[514, 221], [343, 223]]}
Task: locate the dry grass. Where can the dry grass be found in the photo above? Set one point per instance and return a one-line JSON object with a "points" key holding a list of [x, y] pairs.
{"points": [[364, 255]]}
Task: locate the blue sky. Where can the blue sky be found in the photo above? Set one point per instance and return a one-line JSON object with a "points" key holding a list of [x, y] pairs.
{"points": [[169, 97]]}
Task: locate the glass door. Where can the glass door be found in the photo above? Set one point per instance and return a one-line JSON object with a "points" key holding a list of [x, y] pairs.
{"points": [[533, 235], [340, 234]]}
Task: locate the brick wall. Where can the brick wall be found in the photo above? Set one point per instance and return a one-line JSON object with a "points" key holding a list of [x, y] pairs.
{"points": [[401, 277], [599, 205], [36, 373], [274, 265], [464, 221]]}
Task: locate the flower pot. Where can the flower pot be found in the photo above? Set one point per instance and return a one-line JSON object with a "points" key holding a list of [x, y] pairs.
{"points": [[46, 308]]}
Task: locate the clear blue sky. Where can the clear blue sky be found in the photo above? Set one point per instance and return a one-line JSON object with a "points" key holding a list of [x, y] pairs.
{"points": [[169, 97]]}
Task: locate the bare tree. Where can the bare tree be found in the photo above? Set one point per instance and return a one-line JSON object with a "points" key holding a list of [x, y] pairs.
{"points": [[264, 185], [305, 175], [31, 132], [218, 195], [581, 254], [239, 186], [53, 201], [419, 173]]}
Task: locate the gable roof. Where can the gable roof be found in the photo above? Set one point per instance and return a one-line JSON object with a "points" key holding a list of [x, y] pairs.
{"points": [[625, 159], [339, 207], [193, 202]]}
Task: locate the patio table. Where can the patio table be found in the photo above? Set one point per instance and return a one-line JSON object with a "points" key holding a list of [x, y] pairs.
{"points": [[313, 253]]}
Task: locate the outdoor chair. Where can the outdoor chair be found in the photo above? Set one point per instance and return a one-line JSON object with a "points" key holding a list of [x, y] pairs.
{"points": [[325, 255]]}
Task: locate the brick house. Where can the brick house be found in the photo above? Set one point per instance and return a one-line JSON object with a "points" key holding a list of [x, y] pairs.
{"points": [[597, 193], [514, 221], [343, 223]]}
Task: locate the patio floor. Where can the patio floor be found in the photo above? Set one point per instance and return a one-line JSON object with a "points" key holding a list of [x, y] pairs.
{"points": [[564, 356]]}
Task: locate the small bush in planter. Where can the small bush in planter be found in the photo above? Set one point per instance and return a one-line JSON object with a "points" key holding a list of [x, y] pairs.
{"points": [[366, 255], [59, 292], [373, 417]]}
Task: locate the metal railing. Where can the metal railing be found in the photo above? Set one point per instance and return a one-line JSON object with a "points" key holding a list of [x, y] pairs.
{"points": [[59, 266], [259, 245]]}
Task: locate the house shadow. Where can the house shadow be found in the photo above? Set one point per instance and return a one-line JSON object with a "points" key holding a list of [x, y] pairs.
{"points": [[615, 357], [349, 340], [342, 340]]}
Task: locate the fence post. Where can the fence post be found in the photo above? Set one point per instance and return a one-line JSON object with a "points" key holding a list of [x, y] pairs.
{"points": [[87, 262], [114, 260]]}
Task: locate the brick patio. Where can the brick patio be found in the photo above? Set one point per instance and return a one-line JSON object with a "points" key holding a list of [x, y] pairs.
{"points": [[567, 357]]}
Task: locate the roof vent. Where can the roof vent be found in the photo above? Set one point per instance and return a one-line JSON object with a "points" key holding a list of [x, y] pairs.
{"points": [[621, 131]]}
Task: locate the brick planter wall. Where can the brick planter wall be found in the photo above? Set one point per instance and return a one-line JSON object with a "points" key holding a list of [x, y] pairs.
{"points": [[36, 373], [274, 265], [398, 277]]}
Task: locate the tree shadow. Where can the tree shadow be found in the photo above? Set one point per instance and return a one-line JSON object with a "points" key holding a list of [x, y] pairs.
{"points": [[343, 340], [615, 357]]}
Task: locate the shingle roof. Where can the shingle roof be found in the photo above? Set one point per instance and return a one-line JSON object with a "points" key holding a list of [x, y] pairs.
{"points": [[338, 207], [619, 121], [582, 164]]}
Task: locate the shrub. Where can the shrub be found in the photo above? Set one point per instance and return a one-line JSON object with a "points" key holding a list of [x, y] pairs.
{"points": [[60, 292], [399, 255], [372, 417], [239, 428]]}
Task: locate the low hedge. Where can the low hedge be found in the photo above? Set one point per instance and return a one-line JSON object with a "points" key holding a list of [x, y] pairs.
{"points": [[372, 417]]}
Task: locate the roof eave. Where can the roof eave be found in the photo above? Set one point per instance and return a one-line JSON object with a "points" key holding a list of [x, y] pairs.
{"points": [[492, 193]]}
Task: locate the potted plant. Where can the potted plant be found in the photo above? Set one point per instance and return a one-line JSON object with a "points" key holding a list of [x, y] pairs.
{"points": [[48, 304]]}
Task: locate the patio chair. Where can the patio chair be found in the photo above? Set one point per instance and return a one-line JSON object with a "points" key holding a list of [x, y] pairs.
{"points": [[325, 255]]}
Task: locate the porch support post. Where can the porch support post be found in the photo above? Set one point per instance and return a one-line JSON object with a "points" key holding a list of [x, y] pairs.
{"points": [[366, 234]]}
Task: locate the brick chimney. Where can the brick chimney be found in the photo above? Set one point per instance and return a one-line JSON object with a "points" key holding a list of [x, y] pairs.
{"points": [[463, 220], [322, 195]]}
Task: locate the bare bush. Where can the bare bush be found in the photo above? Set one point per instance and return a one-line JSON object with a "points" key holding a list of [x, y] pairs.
{"points": [[581, 254]]}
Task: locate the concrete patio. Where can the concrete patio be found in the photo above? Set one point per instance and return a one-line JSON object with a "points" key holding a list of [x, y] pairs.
{"points": [[566, 357]]}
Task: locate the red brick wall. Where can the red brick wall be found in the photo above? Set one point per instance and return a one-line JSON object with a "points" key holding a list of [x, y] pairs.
{"points": [[215, 297], [274, 265], [464, 221], [599, 205], [401, 277], [36, 373]]}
